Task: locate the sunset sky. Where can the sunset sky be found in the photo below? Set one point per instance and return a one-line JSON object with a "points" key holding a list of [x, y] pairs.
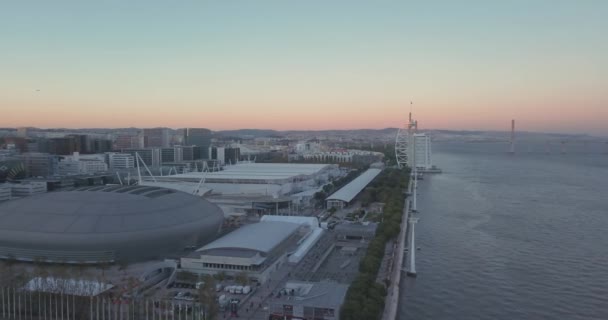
{"points": [[305, 64]]}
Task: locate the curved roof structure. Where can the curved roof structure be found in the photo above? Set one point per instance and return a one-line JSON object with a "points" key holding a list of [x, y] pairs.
{"points": [[97, 223], [260, 237], [352, 189]]}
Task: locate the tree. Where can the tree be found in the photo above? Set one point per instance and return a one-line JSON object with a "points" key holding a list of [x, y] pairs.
{"points": [[206, 296], [220, 276], [186, 276]]}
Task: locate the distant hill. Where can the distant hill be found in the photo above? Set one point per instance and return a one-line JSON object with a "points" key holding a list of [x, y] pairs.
{"points": [[256, 133]]}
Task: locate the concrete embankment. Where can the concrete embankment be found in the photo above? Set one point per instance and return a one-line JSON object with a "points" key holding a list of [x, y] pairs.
{"points": [[392, 298]]}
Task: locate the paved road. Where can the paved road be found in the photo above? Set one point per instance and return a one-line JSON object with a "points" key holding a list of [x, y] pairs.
{"points": [[253, 307]]}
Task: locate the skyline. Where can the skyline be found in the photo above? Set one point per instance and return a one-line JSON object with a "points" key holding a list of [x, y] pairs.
{"points": [[466, 66]]}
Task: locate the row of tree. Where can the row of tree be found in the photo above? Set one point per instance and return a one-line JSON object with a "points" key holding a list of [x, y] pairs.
{"points": [[365, 297]]}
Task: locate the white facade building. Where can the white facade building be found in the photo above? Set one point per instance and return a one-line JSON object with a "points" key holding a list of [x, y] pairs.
{"points": [[423, 152], [27, 189], [82, 166], [121, 161], [257, 249]]}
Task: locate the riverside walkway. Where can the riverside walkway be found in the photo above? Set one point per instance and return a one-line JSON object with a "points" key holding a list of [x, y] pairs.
{"points": [[391, 302]]}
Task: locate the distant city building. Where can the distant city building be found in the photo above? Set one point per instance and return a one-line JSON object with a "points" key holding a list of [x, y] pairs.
{"points": [[39, 164], [14, 143], [308, 147], [174, 154], [219, 154], [187, 152], [120, 161], [100, 146], [232, 155], [150, 156], [156, 137], [81, 166], [22, 132], [64, 146], [199, 137], [26, 189], [125, 141]]}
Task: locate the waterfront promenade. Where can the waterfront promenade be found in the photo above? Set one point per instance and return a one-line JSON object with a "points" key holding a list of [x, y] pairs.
{"points": [[392, 298]]}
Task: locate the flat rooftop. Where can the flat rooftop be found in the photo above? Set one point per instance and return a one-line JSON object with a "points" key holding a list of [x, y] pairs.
{"points": [[352, 189], [260, 237], [258, 171], [324, 294]]}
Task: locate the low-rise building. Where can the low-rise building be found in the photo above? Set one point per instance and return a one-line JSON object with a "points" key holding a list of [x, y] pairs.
{"points": [[256, 249], [308, 300], [355, 231], [343, 197], [5, 191], [27, 189]]}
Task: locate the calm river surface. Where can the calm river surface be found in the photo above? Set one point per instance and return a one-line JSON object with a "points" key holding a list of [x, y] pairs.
{"points": [[503, 236]]}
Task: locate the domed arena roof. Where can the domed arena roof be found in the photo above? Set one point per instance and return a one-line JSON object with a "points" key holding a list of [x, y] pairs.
{"points": [[105, 223]]}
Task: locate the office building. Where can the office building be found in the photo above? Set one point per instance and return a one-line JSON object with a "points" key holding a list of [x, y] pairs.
{"points": [[39, 164], [150, 156], [187, 152], [126, 141], [156, 137], [199, 137], [232, 155], [219, 154], [100, 146], [117, 161], [173, 154], [81, 166], [64, 146]]}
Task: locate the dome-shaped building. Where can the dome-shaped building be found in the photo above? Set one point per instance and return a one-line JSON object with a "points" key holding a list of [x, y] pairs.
{"points": [[103, 224]]}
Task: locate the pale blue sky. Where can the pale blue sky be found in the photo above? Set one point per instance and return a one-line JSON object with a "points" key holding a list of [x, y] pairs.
{"points": [[304, 64]]}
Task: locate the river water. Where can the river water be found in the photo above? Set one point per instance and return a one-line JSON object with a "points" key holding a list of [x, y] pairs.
{"points": [[503, 236]]}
